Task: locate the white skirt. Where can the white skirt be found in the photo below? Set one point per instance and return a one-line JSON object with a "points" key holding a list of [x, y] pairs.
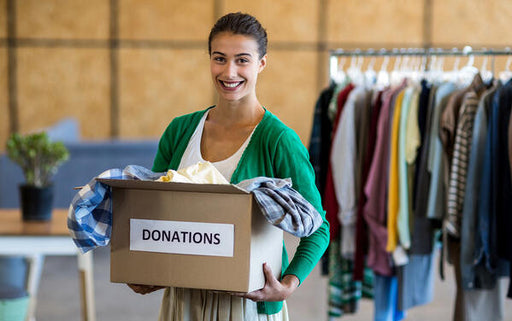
{"points": [[180, 304]]}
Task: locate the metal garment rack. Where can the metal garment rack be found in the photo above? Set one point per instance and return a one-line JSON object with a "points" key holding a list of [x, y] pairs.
{"points": [[427, 53]]}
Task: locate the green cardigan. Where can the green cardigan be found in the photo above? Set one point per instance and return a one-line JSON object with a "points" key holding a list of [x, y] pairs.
{"points": [[274, 150]]}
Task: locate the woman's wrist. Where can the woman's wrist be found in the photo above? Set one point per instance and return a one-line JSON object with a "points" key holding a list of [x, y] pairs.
{"points": [[290, 282]]}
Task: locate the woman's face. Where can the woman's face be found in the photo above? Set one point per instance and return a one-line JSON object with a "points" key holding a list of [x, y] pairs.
{"points": [[235, 65]]}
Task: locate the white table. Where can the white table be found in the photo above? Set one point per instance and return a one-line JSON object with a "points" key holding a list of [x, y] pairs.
{"points": [[35, 240]]}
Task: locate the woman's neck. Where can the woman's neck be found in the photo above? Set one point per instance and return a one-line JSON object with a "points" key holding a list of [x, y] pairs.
{"points": [[237, 113]]}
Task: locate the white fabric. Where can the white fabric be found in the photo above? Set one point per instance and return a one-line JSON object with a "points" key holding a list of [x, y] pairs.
{"points": [[193, 155], [343, 164], [199, 173], [179, 304]]}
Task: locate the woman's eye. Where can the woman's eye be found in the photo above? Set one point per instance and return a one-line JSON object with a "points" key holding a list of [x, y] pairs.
{"points": [[218, 59], [243, 60]]}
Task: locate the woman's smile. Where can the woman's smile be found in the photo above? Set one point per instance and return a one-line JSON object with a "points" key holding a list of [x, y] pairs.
{"points": [[231, 85]]}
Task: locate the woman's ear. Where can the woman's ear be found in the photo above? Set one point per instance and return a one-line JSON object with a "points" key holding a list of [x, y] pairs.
{"points": [[263, 63]]}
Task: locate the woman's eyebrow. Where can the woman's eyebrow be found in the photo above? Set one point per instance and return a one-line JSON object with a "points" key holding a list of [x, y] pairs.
{"points": [[237, 55]]}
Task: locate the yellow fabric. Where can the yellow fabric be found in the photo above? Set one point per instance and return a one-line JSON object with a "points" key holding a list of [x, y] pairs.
{"points": [[393, 187], [200, 173]]}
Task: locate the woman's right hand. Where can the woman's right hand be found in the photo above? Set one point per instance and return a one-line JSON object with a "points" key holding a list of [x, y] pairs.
{"points": [[144, 289]]}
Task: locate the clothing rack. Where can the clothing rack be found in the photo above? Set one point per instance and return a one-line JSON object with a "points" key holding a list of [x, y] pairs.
{"points": [[426, 53], [466, 51]]}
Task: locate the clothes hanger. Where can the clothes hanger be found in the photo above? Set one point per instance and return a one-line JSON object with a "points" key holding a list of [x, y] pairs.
{"points": [[506, 75], [396, 76], [354, 71], [486, 74], [383, 75], [340, 76], [370, 76], [468, 72]]}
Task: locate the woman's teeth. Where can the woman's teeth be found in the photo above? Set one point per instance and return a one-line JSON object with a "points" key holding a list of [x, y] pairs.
{"points": [[231, 84]]}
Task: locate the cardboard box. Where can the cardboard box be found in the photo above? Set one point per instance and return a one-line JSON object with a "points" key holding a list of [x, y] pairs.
{"points": [[190, 235]]}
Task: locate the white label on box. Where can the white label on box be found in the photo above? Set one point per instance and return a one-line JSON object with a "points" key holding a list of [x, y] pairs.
{"points": [[212, 239]]}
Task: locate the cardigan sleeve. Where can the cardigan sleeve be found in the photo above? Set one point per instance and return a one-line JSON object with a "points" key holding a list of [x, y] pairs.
{"points": [[164, 152], [291, 160], [174, 141]]}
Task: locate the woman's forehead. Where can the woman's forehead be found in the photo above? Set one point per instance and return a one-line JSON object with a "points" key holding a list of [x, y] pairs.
{"points": [[227, 42]]}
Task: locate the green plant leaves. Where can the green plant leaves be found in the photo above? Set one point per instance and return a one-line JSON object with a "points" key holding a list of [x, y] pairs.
{"points": [[38, 157]]}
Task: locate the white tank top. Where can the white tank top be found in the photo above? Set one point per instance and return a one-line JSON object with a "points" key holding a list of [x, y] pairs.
{"points": [[192, 154]]}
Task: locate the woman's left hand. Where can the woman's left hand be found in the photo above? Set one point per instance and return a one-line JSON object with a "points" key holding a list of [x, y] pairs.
{"points": [[273, 289]]}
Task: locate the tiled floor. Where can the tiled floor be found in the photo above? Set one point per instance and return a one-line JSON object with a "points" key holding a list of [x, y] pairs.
{"points": [[59, 300]]}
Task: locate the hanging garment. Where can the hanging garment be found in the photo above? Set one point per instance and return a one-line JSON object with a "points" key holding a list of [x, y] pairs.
{"points": [[408, 150], [473, 275], [483, 293], [320, 140], [386, 299], [510, 142], [361, 226], [329, 201], [408, 141], [473, 305], [436, 162], [459, 162], [393, 182], [416, 281], [501, 173], [495, 191], [450, 115], [343, 162], [376, 191], [423, 228], [344, 291]]}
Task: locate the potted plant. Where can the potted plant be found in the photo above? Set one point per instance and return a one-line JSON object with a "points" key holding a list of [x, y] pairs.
{"points": [[39, 158]]}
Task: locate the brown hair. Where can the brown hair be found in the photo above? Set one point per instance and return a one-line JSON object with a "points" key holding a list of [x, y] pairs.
{"points": [[241, 24]]}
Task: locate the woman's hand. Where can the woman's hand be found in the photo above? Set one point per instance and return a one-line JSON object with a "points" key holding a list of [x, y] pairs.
{"points": [[144, 289], [273, 289]]}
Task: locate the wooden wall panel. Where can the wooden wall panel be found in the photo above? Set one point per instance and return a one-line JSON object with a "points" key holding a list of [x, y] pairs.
{"points": [[165, 19], [62, 19], [481, 23], [4, 109], [3, 18], [158, 85], [285, 20], [392, 22], [287, 87], [57, 83]]}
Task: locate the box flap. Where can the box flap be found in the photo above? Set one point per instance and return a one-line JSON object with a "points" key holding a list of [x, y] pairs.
{"points": [[173, 186]]}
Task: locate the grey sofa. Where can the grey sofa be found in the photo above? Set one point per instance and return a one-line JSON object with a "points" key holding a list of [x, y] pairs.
{"points": [[87, 160]]}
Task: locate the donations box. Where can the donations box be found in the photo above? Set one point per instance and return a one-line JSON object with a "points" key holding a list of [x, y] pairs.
{"points": [[204, 236]]}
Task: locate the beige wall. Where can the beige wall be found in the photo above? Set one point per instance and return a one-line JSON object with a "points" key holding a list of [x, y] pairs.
{"points": [[159, 69]]}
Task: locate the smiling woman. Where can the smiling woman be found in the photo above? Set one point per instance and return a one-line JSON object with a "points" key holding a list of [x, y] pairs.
{"points": [[243, 140]]}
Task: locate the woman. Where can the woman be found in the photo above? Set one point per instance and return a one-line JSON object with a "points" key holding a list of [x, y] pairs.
{"points": [[243, 140]]}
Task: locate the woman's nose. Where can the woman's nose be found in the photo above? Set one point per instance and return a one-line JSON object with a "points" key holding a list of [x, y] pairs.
{"points": [[230, 70]]}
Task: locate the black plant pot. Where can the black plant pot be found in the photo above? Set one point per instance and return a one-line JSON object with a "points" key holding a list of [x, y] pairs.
{"points": [[36, 202]]}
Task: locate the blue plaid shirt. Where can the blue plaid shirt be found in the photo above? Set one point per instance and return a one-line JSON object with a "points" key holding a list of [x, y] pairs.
{"points": [[283, 206], [90, 212]]}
